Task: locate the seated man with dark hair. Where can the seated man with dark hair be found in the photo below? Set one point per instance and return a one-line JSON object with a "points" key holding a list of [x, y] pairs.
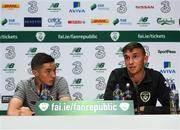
{"points": [[28, 92], [146, 85]]}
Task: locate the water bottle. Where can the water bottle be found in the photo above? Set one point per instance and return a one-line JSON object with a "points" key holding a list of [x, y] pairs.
{"points": [[45, 93], [128, 93], [174, 100], [117, 93]]}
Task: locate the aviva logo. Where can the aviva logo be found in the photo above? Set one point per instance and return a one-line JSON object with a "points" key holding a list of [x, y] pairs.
{"points": [[76, 4], [76, 8], [167, 68], [167, 64]]}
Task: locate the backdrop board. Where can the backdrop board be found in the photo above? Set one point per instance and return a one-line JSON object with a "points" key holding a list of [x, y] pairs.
{"points": [[86, 40]]}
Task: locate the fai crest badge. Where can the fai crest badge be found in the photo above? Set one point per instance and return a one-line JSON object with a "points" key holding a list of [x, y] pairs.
{"points": [[145, 96], [43, 106], [115, 36], [40, 36]]}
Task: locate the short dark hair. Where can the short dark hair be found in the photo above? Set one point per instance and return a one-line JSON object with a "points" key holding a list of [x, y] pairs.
{"points": [[39, 59], [132, 45]]}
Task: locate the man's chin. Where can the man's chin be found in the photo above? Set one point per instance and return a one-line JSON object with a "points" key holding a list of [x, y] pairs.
{"points": [[50, 84], [132, 72]]}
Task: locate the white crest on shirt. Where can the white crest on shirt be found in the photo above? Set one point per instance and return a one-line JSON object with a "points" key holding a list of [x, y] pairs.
{"points": [[145, 96]]}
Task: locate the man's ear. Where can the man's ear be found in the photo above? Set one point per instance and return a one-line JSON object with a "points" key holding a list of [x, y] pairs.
{"points": [[35, 72], [146, 59]]}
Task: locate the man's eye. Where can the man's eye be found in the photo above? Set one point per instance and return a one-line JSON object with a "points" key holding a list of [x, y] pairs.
{"points": [[48, 72], [126, 58]]}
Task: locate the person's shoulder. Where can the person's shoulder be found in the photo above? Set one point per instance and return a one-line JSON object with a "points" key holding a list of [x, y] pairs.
{"points": [[153, 72], [118, 70], [58, 78], [25, 81]]}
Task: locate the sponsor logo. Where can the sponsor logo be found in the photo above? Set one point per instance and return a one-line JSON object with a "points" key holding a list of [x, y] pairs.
{"points": [[32, 22], [162, 21], [76, 8], [166, 51], [100, 21], [10, 6], [31, 51], [101, 85], [4, 21], [29, 70], [121, 64], [165, 6], [9, 68], [33, 7], [143, 22], [121, 21], [10, 85], [6, 99], [100, 96], [58, 68], [169, 82], [144, 6], [146, 48], [167, 68], [77, 96], [146, 65], [77, 67], [40, 36], [76, 22], [56, 52], [100, 67], [54, 7], [77, 83], [119, 52], [100, 54], [10, 22], [10, 54], [122, 8], [167, 64], [76, 52], [54, 22], [98, 7], [115, 36]]}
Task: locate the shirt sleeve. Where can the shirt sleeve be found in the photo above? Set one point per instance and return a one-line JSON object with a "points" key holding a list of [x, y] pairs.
{"points": [[163, 98], [63, 87], [108, 95], [20, 91]]}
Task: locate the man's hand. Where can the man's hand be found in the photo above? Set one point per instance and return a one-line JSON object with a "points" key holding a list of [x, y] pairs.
{"points": [[140, 110], [25, 111]]}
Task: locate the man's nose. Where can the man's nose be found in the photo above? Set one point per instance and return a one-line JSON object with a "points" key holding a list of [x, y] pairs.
{"points": [[53, 74], [131, 60]]}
